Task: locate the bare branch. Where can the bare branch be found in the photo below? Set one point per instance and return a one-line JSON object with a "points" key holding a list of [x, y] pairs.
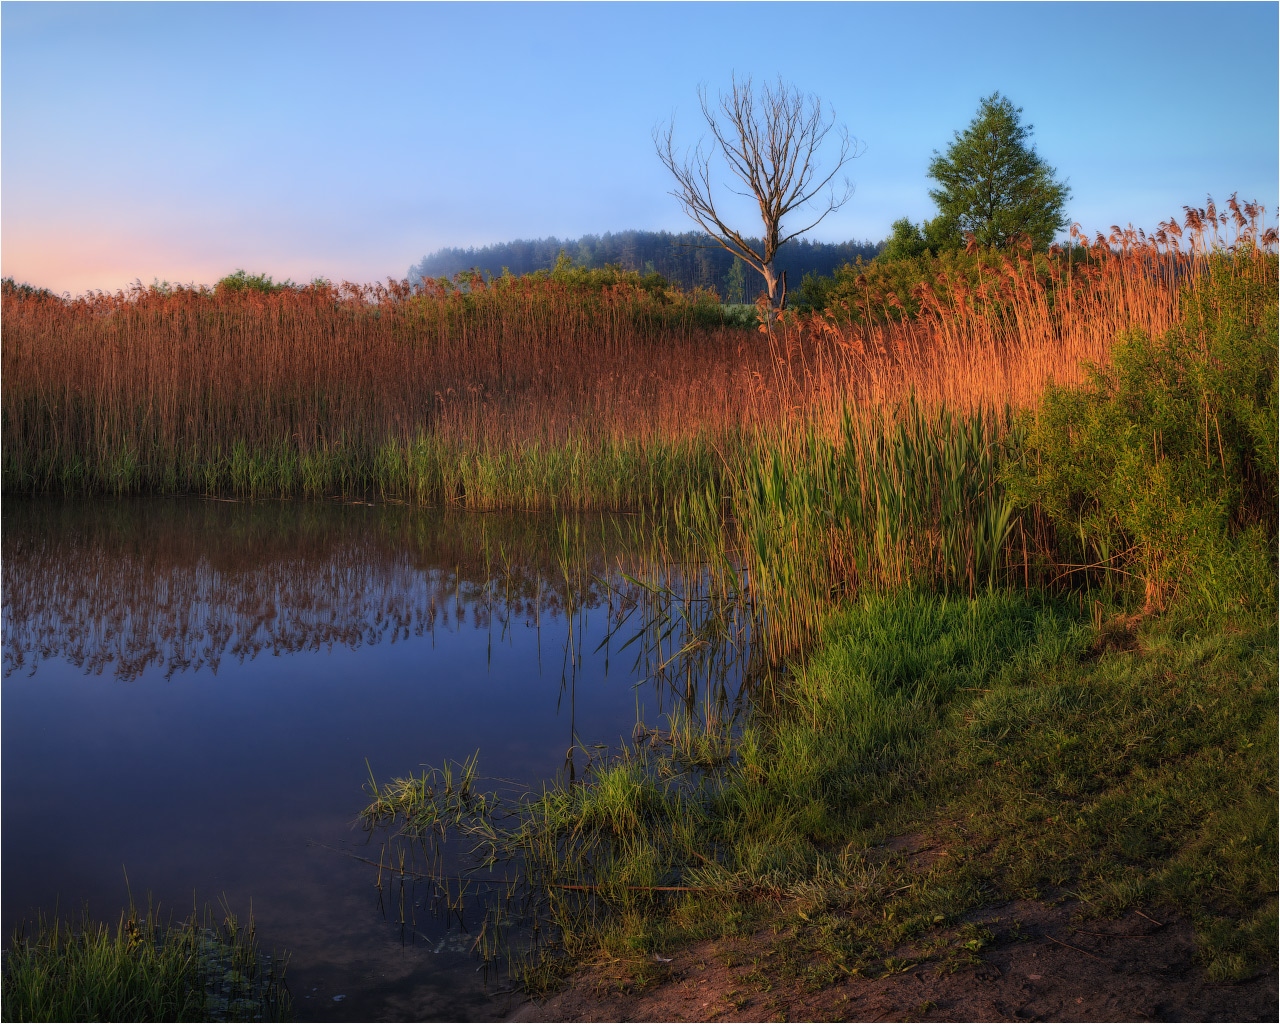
{"points": [[770, 141]]}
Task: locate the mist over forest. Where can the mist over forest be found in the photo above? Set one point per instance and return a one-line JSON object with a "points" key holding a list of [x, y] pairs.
{"points": [[689, 259]]}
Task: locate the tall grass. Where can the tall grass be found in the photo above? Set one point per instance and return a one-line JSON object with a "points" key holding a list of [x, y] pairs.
{"points": [[569, 390], [364, 389], [1100, 474], [145, 970]]}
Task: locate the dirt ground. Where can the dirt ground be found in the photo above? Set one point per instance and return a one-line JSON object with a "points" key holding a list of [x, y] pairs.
{"points": [[1044, 963]]}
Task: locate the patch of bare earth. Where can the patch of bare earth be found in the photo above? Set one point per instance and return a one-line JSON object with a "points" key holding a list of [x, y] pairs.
{"points": [[1041, 963]]}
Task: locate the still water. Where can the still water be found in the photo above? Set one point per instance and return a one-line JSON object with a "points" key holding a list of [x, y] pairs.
{"points": [[195, 693]]}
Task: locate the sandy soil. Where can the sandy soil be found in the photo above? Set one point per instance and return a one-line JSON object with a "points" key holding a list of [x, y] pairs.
{"points": [[1045, 963]]}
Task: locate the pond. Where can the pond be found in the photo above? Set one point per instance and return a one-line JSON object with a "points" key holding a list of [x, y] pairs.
{"points": [[196, 692]]}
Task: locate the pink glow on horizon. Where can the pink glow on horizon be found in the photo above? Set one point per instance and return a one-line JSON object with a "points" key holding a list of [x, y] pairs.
{"points": [[113, 259]]}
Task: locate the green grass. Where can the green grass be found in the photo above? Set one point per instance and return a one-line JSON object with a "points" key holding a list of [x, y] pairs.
{"points": [[1049, 757], [145, 970], [1056, 766], [1139, 778], [571, 475]]}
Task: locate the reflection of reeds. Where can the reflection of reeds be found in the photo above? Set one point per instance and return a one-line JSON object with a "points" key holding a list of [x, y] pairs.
{"points": [[131, 586], [181, 585]]}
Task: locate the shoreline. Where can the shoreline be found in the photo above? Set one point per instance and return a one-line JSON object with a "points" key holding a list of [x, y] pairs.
{"points": [[1056, 968]]}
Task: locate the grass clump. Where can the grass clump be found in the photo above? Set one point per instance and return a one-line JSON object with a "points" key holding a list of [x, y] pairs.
{"points": [[144, 970]]}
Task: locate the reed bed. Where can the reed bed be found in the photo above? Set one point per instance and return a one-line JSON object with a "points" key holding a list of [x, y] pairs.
{"points": [[353, 389], [843, 452], [559, 391]]}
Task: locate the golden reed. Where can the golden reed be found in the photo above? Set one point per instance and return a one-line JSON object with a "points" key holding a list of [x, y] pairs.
{"points": [[142, 390]]}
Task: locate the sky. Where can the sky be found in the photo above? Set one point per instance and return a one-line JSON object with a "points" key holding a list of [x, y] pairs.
{"points": [[181, 142]]}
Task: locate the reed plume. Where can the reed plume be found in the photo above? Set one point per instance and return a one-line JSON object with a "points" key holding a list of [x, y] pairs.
{"points": [[541, 391]]}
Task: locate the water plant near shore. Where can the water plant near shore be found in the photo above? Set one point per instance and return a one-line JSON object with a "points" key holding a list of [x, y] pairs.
{"points": [[145, 970], [1032, 751]]}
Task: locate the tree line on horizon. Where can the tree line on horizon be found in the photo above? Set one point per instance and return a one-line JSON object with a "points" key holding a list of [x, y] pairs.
{"points": [[689, 259], [993, 190]]}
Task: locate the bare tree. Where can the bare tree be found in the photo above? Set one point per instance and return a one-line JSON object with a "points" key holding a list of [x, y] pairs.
{"points": [[770, 141]]}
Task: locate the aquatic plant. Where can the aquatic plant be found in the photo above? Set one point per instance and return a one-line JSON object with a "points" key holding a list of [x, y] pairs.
{"points": [[147, 969], [546, 391]]}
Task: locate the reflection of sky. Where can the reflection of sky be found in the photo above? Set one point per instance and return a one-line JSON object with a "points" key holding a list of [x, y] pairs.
{"points": [[180, 141], [219, 781]]}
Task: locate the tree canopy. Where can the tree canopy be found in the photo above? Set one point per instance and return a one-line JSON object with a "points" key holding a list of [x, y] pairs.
{"points": [[993, 184], [908, 240]]}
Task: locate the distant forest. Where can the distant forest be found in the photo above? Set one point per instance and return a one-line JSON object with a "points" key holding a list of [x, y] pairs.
{"points": [[690, 259]]}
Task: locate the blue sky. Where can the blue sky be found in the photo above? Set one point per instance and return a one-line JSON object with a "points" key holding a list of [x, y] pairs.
{"points": [[346, 140]]}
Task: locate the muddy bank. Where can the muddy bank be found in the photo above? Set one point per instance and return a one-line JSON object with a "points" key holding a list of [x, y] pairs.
{"points": [[1040, 963]]}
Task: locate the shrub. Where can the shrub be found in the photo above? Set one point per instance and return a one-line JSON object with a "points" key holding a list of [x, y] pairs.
{"points": [[1162, 466], [241, 281]]}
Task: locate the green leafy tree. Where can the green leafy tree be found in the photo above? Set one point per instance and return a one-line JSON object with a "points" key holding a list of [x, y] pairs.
{"points": [[991, 182], [905, 242], [910, 241], [735, 283]]}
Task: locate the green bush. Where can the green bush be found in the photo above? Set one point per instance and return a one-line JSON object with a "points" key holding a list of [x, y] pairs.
{"points": [[242, 281], [1162, 467], [888, 288]]}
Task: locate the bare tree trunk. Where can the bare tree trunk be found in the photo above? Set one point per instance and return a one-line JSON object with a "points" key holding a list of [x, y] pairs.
{"points": [[775, 286], [771, 285]]}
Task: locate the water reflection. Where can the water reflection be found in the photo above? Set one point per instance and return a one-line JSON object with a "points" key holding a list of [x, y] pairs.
{"points": [[180, 586], [198, 690]]}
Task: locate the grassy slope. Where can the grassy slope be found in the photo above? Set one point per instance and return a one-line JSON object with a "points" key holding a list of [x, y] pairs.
{"points": [[1125, 765], [1056, 765]]}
